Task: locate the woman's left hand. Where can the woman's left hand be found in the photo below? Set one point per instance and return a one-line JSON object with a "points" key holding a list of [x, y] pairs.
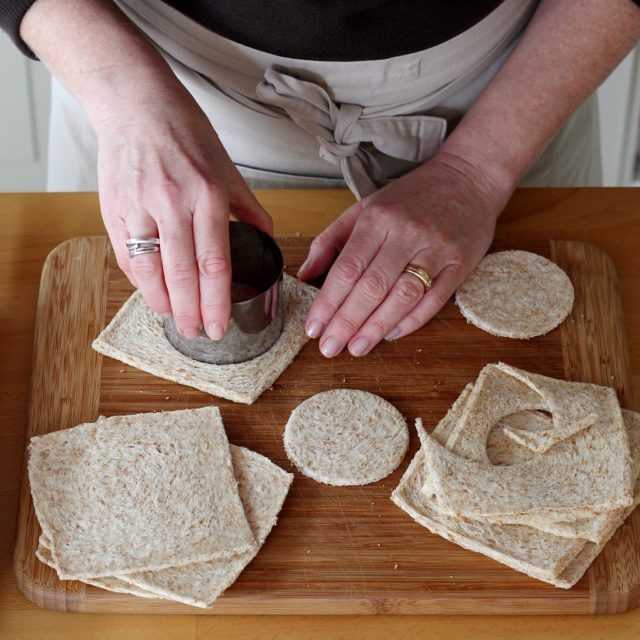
{"points": [[441, 217]]}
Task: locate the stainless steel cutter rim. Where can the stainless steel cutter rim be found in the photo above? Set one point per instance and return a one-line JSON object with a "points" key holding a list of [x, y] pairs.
{"points": [[256, 323], [248, 300]]}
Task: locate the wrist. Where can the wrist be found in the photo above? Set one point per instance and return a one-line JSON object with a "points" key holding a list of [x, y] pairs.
{"points": [[98, 55], [489, 186], [121, 95]]}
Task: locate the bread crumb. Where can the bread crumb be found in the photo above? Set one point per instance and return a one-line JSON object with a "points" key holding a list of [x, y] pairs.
{"points": [[395, 566]]}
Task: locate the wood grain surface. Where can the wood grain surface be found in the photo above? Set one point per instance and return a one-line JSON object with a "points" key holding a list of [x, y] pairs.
{"points": [[31, 225], [335, 549]]}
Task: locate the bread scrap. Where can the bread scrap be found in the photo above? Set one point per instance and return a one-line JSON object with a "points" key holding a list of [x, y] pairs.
{"points": [[575, 478], [551, 544], [136, 337]]}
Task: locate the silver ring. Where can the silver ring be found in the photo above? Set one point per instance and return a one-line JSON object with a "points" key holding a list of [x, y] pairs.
{"points": [[140, 246]]}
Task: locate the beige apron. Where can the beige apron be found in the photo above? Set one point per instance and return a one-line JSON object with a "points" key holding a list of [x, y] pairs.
{"points": [[304, 123]]}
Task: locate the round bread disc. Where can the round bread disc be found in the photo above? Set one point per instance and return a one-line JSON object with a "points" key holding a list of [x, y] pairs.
{"points": [[516, 294], [346, 437]]}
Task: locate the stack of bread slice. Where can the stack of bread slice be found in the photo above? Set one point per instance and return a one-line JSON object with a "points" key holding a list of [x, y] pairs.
{"points": [[534, 472], [157, 505]]}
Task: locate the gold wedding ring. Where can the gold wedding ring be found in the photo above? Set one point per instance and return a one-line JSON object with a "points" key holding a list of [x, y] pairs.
{"points": [[421, 274]]}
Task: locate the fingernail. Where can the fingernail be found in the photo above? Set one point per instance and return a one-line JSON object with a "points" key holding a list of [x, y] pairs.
{"points": [[191, 332], [314, 328], [360, 347], [330, 347], [167, 314], [393, 334], [215, 331]]}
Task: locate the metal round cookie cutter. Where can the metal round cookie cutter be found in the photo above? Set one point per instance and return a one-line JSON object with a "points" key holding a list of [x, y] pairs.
{"points": [[257, 268]]}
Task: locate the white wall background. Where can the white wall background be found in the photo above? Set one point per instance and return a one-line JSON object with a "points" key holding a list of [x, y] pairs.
{"points": [[24, 108], [619, 102], [24, 111]]}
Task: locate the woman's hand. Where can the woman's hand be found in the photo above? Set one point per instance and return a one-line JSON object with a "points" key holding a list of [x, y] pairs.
{"points": [[440, 217], [164, 173]]}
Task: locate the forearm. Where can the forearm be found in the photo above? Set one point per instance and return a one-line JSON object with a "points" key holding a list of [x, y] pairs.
{"points": [[100, 57], [569, 48]]}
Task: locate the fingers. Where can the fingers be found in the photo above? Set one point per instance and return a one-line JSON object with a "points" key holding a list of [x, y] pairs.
{"points": [[407, 292], [444, 285], [190, 278], [180, 271], [343, 276], [211, 240], [328, 244], [367, 295], [146, 269]]}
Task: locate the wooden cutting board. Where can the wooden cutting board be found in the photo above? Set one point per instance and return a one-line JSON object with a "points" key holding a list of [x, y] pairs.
{"points": [[335, 549]]}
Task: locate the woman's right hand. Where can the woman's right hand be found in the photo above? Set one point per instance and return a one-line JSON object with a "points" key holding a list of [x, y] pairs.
{"points": [[163, 173], [162, 170]]}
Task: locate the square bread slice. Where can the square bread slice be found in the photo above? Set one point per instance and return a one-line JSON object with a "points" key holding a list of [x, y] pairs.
{"points": [[136, 337], [502, 449], [522, 548], [138, 493], [263, 487], [110, 583]]}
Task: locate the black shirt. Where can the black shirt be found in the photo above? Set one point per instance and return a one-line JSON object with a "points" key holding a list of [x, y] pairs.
{"points": [[338, 29], [317, 29]]}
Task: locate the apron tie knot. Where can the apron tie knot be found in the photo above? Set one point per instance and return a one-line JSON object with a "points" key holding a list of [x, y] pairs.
{"points": [[336, 146], [342, 129]]}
